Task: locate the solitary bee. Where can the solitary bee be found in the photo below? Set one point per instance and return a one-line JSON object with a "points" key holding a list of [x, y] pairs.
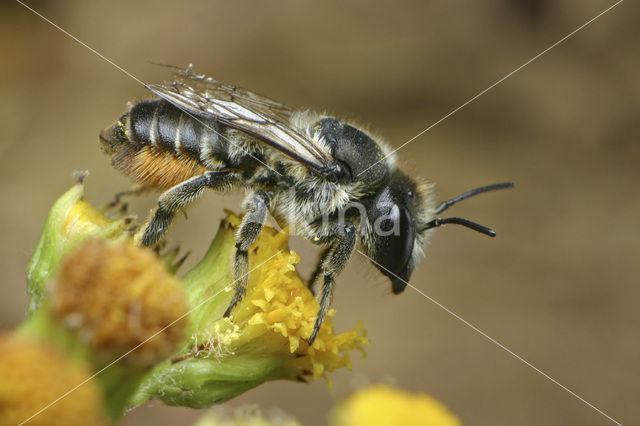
{"points": [[329, 181]]}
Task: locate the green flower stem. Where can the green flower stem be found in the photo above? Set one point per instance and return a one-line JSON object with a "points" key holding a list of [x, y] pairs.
{"points": [[118, 383]]}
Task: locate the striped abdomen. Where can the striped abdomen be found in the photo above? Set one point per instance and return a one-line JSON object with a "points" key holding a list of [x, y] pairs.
{"points": [[161, 125], [159, 145]]}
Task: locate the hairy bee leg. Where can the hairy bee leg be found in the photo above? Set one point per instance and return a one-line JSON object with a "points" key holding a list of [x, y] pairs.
{"points": [[256, 206], [317, 273], [332, 266], [179, 197]]}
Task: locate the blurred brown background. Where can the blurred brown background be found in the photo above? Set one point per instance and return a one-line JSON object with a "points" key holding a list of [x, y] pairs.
{"points": [[559, 286]]}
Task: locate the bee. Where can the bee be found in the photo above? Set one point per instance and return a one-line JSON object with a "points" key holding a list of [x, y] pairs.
{"points": [[329, 181]]}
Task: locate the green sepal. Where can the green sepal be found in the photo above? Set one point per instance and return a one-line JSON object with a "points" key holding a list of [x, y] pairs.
{"points": [[58, 237], [202, 382]]}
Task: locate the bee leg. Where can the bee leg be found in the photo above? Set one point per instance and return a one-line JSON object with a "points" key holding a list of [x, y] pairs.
{"points": [[256, 206], [332, 266], [134, 190], [179, 197], [317, 273]]}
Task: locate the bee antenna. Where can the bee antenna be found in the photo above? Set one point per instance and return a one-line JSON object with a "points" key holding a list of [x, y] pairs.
{"points": [[460, 221], [446, 204]]}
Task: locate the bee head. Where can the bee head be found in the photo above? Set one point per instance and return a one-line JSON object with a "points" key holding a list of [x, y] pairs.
{"points": [[113, 137], [401, 217], [396, 218]]}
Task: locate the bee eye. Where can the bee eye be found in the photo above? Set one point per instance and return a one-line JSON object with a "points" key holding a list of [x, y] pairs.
{"points": [[410, 194], [344, 171], [394, 243]]}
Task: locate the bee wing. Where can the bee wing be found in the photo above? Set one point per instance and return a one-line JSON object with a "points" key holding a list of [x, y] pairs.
{"points": [[257, 115], [202, 83]]}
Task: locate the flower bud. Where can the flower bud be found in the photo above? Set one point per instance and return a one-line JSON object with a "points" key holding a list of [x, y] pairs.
{"points": [[120, 298], [70, 220], [116, 307]]}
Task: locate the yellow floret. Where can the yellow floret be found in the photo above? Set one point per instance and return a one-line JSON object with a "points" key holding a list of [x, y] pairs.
{"points": [[383, 406], [278, 313], [83, 219], [34, 375], [117, 296], [264, 338]]}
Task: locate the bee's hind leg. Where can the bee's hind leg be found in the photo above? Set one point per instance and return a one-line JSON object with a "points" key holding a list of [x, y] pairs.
{"points": [[136, 189], [334, 262], [257, 207], [178, 197]]}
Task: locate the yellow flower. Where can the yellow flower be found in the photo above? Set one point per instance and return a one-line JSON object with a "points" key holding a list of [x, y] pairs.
{"points": [[34, 375], [111, 297], [264, 339], [118, 297], [384, 406], [278, 313]]}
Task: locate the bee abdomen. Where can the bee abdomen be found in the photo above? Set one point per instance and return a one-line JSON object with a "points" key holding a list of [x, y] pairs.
{"points": [[166, 127], [155, 144]]}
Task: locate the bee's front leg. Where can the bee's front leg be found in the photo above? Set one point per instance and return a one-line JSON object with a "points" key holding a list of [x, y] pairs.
{"points": [[257, 207], [334, 262], [178, 197], [318, 272]]}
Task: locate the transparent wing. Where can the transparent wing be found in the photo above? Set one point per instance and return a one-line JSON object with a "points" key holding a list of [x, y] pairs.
{"points": [[257, 115]]}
